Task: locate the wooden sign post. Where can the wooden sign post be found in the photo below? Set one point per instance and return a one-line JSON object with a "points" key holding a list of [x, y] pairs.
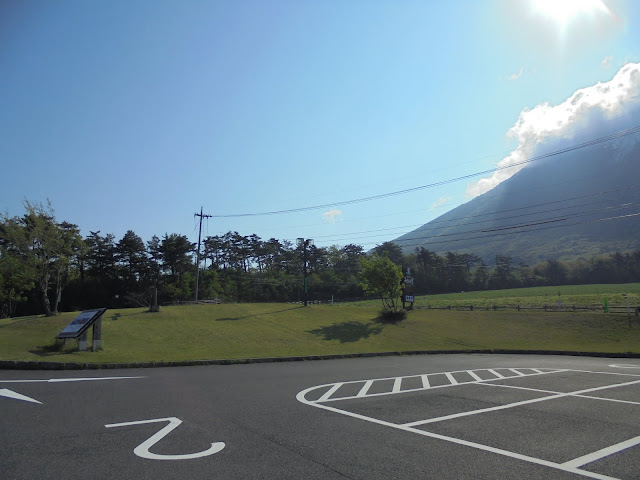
{"points": [[407, 290]]}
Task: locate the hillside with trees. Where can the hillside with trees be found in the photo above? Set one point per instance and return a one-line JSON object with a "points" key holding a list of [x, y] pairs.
{"points": [[46, 266]]}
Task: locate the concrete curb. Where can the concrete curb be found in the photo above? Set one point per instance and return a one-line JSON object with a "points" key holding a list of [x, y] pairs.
{"points": [[25, 365]]}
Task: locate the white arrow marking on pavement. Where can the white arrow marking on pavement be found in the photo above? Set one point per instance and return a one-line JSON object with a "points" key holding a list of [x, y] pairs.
{"points": [[54, 380], [624, 365], [142, 450], [4, 392]]}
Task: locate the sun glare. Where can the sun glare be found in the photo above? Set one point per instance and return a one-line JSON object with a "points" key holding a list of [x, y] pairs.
{"points": [[564, 11]]}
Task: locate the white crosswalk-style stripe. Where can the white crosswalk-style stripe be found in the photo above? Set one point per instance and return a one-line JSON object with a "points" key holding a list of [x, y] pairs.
{"points": [[428, 380], [363, 391]]}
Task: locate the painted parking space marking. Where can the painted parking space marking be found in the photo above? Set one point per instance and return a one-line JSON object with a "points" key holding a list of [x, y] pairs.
{"points": [[451, 379], [518, 404], [329, 395], [489, 380], [397, 383], [476, 377], [605, 452], [365, 388], [571, 394], [330, 392]]}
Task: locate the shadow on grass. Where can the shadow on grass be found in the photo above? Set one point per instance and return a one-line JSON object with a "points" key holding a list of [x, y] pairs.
{"points": [[117, 315], [14, 320], [231, 319], [347, 332], [52, 350]]}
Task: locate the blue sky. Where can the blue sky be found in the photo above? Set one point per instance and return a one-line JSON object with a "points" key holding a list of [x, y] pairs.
{"points": [[133, 115]]}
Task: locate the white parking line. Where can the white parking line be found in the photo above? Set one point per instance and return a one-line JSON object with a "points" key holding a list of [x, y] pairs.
{"points": [[396, 385], [567, 468], [590, 397], [605, 452], [571, 466], [397, 382], [516, 404], [330, 392], [478, 379], [363, 391]]}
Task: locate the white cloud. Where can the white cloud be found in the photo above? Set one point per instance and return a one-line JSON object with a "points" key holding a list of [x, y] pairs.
{"points": [[585, 114], [331, 215], [606, 62], [516, 76], [439, 203]]}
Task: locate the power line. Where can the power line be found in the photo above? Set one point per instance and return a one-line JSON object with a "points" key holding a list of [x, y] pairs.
{"points": [[433, 225], [521, 225], [521, 231], [485, 196], [619, 134]]}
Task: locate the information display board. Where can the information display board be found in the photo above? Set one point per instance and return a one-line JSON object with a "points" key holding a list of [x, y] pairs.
{"points": [[81, 323]]}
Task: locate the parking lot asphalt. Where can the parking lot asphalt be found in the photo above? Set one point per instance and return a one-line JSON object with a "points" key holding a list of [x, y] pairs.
{"points": [[423, 416]]}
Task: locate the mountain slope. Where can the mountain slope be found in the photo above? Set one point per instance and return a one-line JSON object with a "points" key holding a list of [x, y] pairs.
{"points": [[575, 204]]}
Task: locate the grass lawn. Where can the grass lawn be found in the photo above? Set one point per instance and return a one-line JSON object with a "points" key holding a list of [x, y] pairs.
{"points": [[203, 332]]}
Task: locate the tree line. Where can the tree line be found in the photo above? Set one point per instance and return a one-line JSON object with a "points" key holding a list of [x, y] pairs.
{"points": [[47, 266], [456, 272]]}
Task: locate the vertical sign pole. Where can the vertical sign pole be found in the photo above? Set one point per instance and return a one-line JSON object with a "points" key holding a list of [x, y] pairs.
{"points": [[96, 340], [82, 342]]}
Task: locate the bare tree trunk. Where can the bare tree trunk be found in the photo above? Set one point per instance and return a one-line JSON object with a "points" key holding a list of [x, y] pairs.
{"points": [[57, 299], [45, 297]]}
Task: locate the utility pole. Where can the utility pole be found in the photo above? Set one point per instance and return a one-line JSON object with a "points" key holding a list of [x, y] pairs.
{"points": [[198, 252], [304, 244]]}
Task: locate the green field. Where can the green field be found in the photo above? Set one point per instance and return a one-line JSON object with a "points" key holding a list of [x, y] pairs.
{"points": [[233, 331], [579, 295]]}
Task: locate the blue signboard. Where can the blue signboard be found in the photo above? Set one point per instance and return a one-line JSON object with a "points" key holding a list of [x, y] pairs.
{"points": [[81, 323]]}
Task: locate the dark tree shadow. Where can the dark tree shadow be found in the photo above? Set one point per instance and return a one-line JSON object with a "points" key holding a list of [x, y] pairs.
{"points": [[13, 321], [347, 331], [53, 350], [118, 315], [231, 319]]}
